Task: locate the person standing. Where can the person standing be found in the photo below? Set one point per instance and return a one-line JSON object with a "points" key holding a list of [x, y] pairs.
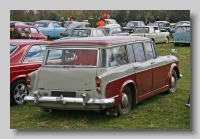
{"points": [[70, 18], [100, 22], [14, 32], [157, 19], [27, 35], [62, 20]]}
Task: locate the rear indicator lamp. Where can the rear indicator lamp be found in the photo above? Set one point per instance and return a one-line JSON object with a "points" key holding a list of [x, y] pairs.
{"points": [[28, 82], [98, 83]]}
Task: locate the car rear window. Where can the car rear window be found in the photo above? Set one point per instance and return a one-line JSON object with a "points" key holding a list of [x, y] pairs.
{"points": [[13, 48], [69, 57]]}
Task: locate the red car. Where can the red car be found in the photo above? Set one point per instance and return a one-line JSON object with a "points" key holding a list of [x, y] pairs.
{"points": [[25, 56], [34, 32]]}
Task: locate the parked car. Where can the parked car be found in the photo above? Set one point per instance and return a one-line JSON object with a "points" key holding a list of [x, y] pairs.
{"points": [[152, 32], [29, 23], [131, 25], [164, 26], [182, 35], [188, 102], [101, 73], [111, 22], [34, 32], [17, 22], [113, 31], [84, 32], [51, 29], [71, 27], [25, 56], [182, 22]]}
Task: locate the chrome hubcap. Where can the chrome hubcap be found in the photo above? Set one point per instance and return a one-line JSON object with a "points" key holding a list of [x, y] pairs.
{"points": [[20, 92], [124, 100]]}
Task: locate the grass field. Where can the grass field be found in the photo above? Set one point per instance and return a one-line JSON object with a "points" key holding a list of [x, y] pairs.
{"points": [[162, 111]]}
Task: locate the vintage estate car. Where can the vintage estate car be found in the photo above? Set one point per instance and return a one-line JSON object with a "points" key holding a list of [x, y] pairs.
{"points": [[25, 56], [113, 31], [101, 73], [151, 32], [164, 26], [130, 26], [84, 32], [51, 29], [181, 35], [34, 32]]}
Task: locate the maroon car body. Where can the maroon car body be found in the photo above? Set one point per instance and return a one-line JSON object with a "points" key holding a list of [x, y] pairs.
{"points": [[34, 32], [25, 56]]}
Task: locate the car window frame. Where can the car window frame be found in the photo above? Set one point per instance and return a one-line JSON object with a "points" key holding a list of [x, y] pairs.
{"points": [[15, 49], [29, 50]]}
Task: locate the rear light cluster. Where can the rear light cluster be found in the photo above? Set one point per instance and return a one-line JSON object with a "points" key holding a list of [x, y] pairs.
{"points": [[28, 82], [98, 83]]}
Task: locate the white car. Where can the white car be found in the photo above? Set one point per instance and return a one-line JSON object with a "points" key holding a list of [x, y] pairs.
{"points": [[111, 22]]}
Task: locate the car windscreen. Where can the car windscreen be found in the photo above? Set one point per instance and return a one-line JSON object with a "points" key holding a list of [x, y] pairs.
{"points": [[141, 30], [72, 57], [131, 24], [159, 24], [80, 33], [13, 48], [183, 29]]}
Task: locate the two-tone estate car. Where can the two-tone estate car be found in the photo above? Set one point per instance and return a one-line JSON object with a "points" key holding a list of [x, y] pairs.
{"points": [[109, 73]]}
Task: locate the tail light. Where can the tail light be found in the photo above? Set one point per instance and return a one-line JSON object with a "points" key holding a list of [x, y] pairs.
{"points": [[28, 82], [98, 83]]}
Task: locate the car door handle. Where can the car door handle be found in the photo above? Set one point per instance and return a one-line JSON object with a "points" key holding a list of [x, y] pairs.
{"points": [[152, 62]]}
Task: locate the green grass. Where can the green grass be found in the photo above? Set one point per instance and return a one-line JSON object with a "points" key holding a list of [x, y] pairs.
{"points": [[162, 111]]}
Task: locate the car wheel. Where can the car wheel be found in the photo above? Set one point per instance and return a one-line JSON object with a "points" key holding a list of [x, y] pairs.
{"points": [[176, 44], [173, 84], [17, 92], [126, 101], [166, 40]]}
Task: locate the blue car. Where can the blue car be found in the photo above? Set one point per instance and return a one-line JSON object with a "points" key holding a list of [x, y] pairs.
{"points": [[181, 35], [51, 29]]}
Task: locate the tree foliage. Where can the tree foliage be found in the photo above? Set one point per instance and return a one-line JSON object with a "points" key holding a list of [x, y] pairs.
{"points": [[119, 15]]}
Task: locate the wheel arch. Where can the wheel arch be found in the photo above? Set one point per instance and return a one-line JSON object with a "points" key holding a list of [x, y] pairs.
{"points": [[132, 86]]}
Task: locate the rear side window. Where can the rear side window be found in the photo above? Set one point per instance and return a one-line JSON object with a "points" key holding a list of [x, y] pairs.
{"points": [[150, 51], [13, 48], [35, 53], [139, 52], [118, 56], [33, 30]]}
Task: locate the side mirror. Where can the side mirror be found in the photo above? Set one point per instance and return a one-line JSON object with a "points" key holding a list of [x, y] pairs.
{"points": [[174, 51]]}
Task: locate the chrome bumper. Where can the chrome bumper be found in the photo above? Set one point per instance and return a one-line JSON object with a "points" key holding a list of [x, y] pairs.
{"points": [[85, 100]]}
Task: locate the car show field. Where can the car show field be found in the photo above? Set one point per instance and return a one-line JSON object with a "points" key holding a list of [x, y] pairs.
{"points": [[162, 111]]}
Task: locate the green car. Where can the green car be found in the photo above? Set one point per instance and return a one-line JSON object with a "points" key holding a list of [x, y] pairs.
{"points": [[181, 35], [71, 27]]}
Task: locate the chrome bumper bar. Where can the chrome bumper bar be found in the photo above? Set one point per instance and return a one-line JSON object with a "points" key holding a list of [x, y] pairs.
{"points": [[85, 100]]}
